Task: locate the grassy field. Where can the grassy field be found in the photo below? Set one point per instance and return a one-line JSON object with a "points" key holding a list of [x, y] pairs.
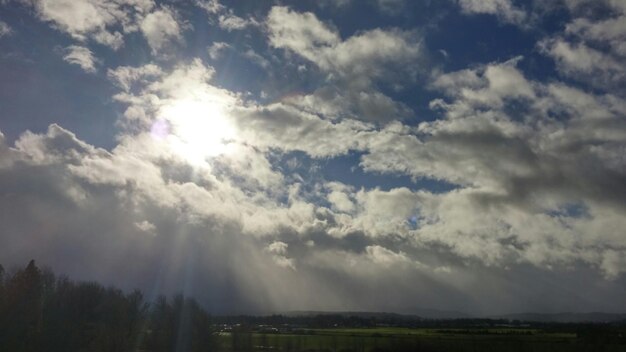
{"points": [[405, 339]]}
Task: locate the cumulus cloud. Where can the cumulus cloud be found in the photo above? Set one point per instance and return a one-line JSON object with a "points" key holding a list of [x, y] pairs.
{"points": [[592, 49], [95, 20], [81, 56], [233, 22], [210, 6], [241, 235], [363, 55], [161, 28], [108, 21], [513, 167], [125, 76], [353, 64], [483, 219], [532, 173], [279, 251]]}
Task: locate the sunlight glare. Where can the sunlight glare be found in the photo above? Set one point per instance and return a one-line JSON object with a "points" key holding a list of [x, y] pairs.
{"points": [[200, 129]]}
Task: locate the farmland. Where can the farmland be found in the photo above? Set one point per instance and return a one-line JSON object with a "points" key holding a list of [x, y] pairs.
{"points": [[420, 339]]}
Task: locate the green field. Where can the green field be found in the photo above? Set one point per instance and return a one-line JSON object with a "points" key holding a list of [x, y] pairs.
{"points": [[405, 339]]}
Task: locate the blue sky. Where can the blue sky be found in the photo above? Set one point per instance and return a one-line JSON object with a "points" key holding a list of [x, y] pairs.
{"points": [[339, 154]]}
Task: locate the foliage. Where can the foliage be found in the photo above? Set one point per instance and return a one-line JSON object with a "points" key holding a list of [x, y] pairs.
{"points": [[39, 312]]}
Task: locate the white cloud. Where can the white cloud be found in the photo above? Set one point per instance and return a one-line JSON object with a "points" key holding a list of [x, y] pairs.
{"points": [[364, 54], [146, 226], [584, 62], [531, 172], [125, 76], [386, 257], [94, 19], [485, 219], [161, 28], [226, 18], [108, 21], [352, 65], [210, 6], [216, 49], [593, 47], [81, 56], [278, 250], [339, 197], [232, 22], [302, 33], [505, 10]]}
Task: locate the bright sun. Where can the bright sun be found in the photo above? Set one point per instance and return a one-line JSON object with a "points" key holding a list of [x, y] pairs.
{"points": [[199, 128]]}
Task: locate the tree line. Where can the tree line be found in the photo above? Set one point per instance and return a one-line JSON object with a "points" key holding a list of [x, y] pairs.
{"points": [[42, 312]]}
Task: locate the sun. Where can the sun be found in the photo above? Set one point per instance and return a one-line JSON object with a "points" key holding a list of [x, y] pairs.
{"points": [[199, 128]]}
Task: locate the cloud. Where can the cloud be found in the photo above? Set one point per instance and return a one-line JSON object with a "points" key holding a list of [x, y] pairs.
{"points": [[95, 20], [231, 22], [505, 10], [364, 54], [339, 197], [583, 62], [278, 250], [81, 56], [352, 65], [210, 6], [592, 47], [528, 173], [524, 199], [216, 49], [226, 18], [483, 218], [256, 58], [161, 28], [505, 161], [5, 29], [108, 21], [383, 256], [125, 76]]}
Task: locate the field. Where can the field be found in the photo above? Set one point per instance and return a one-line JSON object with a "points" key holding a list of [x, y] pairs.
{"points": [[420, 339]]}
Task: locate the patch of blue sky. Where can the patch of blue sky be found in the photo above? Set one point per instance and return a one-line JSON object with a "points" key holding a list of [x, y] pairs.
{"points": [[40, 88], [571, 210]]}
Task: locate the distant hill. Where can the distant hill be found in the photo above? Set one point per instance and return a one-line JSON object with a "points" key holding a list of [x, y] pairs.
{"points": [[306, 313], [434, 314], [412, 313], [437, 314], [594, 317]]}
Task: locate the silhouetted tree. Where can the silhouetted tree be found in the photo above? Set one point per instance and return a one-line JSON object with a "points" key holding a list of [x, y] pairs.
{"points": [[39, 312]]}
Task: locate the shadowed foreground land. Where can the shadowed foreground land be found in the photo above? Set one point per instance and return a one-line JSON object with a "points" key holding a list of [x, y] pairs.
{"points": [[396, 339], [39, 312]]}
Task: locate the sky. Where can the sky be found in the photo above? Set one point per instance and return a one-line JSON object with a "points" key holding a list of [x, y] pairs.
{"points": [[371, 155]]}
